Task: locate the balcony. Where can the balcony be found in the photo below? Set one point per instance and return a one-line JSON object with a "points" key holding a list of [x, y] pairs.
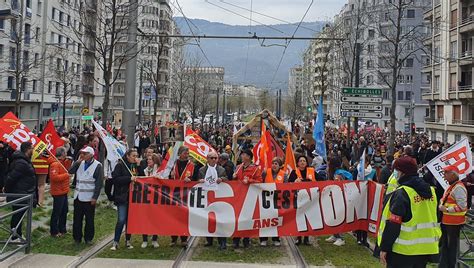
{"points": [[462, 92], [88, 69], [463, 122], [466, 24], [88, 90], [466, 57]]}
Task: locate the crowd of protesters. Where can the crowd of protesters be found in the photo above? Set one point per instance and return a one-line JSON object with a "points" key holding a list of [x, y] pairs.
{"points": [[80, 157]]}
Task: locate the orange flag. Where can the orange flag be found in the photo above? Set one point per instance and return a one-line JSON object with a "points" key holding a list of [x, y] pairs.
{"points": [[290, 162], [262, 151]]}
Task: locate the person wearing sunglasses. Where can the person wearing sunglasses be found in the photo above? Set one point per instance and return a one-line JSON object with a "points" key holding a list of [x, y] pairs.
{"points": [[218, 174]]}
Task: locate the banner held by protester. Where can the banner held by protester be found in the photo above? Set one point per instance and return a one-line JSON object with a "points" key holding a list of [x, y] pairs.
{"points": [[255, 210]]}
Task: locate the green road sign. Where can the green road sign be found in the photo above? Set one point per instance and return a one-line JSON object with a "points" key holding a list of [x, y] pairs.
{"points": [[87, 117], [362, 91]]}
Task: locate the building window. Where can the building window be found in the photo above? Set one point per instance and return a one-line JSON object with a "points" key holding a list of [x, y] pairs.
{"points": [[1, 51], [427, 112], [2, 24], [387, 111], [58, 85], [408, 62], [457, 137], [408, 95], [33, 86], [12, 58], [456, 113], [11, 82], [400, 95], [371, 34], [50, 87], [440, 112], [410, 13]]}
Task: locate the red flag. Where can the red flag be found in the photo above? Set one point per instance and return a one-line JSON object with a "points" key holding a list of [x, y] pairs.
{"points": [[51, 137], [198, 147], [290, 162]]}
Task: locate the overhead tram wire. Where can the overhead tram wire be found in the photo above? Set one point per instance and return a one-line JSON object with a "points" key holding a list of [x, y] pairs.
{"points": [[240, 15], [248, 42], [289, 41], [268, 16], [194, 36], [255, 36]]}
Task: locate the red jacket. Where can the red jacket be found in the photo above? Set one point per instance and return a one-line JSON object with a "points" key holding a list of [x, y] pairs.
{"points": [[59, 177], [253, 173]]}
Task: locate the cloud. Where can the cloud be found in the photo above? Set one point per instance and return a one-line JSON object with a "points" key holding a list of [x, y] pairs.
{"points": [[288, 10]]}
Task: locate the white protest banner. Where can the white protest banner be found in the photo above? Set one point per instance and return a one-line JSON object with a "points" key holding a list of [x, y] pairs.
{"points": [[458, 155]]}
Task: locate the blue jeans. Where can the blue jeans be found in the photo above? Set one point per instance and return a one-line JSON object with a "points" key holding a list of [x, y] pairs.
{"points": [[59, 215], [122, 214]]}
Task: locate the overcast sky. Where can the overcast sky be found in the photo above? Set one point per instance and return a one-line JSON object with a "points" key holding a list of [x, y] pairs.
{"points": [[288, 10]]}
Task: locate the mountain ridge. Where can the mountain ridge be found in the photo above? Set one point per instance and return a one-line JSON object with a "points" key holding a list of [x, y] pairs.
{"points": [[259, 68]]}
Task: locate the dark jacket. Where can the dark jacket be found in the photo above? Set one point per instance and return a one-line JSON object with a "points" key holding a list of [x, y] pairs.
{"points": [[21, 178], [229, 169], [385, 174], [400, 206], [121, 179]]}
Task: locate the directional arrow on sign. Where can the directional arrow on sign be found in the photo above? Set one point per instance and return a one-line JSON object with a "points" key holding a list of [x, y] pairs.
{"points": [[361, 114], [361, 99], [364, 107]]}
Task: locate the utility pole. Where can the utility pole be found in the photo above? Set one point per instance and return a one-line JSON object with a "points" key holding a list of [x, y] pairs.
{"points": [[128, 116], [357, 80], [217, 107], [224, 110], [140, 109]]}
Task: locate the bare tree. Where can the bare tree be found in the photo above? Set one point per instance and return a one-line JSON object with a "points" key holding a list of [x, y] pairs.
{"points": [[66, 72], [400, 42], [104, 36], [194, 84], [294, 106], [180, 88], [204, 100]]}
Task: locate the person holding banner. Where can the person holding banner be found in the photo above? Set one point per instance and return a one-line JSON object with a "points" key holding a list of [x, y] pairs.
{"points": [[88, 174], [275, 174], [409, 233], [210, 174], [21, 179], [454, 207], [246, 173], [153, 162], [302, 173], [124, 173], [184, 170]]}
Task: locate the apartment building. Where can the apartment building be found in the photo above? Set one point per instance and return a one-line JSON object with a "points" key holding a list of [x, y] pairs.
{"points": [[448, 70], [42, 59]]}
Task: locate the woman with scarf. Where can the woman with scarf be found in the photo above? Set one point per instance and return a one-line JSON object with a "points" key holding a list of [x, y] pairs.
{"points": [[124, 173], [302, 173]]}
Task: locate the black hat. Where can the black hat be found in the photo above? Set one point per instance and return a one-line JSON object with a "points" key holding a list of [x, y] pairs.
{"points": [[247, 152]]}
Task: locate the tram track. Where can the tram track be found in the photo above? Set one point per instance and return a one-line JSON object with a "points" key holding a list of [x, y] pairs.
{"points": [[297, 256]]}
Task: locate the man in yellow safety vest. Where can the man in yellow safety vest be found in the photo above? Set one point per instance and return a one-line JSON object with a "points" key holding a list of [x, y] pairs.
{"points": [[409, 232]]}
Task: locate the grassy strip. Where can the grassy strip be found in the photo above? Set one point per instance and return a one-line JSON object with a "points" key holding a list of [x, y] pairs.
{"points": [[43, 243], [164, 252], [254, 254], [351, 254]]}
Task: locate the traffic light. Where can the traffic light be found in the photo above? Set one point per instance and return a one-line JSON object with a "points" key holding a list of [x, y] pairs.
{"points": [[309, 109]]}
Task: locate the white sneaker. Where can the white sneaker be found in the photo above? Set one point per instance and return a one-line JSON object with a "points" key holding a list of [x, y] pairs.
{"points": [[331, 239], [277, 243], [114, 246], [339, 242], [155, 244], [263, 243], [128, 245], [144, 244]]}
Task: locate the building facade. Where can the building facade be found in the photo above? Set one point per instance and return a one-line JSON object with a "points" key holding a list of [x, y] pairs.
{"points": [[448, 70]]}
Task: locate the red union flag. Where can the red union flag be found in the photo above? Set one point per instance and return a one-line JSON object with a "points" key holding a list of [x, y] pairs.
{"points": [[256, 210], [14, 132], [198, 148], [51, 137], [459, 155]]}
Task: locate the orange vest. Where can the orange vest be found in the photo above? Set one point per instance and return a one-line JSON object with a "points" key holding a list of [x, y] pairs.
{"points": [[280, 178], [459, 216], [310, 175], [187, 172]]}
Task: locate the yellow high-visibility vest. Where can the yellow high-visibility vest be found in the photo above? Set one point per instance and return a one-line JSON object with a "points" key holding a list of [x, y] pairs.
{"points": [[392, 184], [420, 235]]}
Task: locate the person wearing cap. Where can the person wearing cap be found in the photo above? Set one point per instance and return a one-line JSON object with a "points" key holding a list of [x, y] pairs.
{"points": [[453, 205], [88, 173], [246, 173], [409, 233], [228, 150]]}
